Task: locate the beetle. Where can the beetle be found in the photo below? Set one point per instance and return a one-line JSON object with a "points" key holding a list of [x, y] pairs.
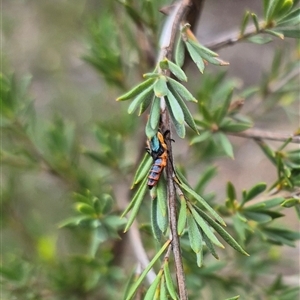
{"points": [[157, 148]]}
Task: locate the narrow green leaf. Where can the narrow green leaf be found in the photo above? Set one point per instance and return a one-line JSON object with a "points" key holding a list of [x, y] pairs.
{"points": [[73, 221], [143, 96], [153, 287], [231, 194], [222, 232], [291, 19], [201, 49], [201, 138], [187, 115], [255, 21], [225, 144], [157, 232], [283, 8], [139, 194], [206, 114], [177, 71], [224, 108], [203, 225], [160, 87], [145, 272], [169, 281], [162, 213], [254, 191], [180, 128], [291, 202], [175, 107], [257, 216], [136, 90], [268, 151], [265, 7], [197, 59], [145, 104], [275, 33], [179, 52], [84, 208], [270, 9], [204, 179], [162, 195], [290, 32], [199, 257], [149, 131], [206, 54], [153, 75], [240, 224], [202, 202], [181, 216], [194, 234], [244, 23], [132, 276], [209, 245], [266, 204], [260, 40], [181, 90], [163, 293], [155, 113], [230, 126], [142, 170]]}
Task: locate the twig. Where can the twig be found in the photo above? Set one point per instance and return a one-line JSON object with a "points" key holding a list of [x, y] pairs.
{"points": [[233, 38], [267, 135], [167, 43]]}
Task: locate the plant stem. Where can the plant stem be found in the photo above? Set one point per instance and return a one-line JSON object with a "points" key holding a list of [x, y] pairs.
{"points": [[267, 135], [167, 45], [233, 38]]}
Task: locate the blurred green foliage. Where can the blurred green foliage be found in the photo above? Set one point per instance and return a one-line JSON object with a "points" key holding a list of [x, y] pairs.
{"points": [[68, 156]]}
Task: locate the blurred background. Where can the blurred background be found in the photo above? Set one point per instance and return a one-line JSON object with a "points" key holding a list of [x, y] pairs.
{"points": [[44, 42]]}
